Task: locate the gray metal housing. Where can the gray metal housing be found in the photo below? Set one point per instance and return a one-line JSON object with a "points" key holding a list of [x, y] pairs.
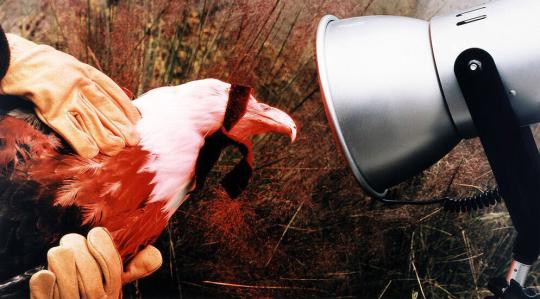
{"points": [[390, 91]]}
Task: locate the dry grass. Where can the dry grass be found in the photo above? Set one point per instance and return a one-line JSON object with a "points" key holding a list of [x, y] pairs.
{"points": [[303, 228]]}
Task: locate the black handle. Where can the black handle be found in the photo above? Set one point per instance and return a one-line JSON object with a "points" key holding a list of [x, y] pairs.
{"points": [[510, 148]]}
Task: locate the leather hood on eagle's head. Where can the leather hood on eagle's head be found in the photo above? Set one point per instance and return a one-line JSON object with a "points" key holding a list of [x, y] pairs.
{"points": [[46, 191]]}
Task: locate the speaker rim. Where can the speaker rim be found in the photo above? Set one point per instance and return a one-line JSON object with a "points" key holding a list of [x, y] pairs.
{"points": [[330, 110]]}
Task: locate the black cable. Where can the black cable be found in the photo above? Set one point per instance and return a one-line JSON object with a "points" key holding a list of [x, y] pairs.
{"points": [[460, 204], [412, 202], [475, 202]]}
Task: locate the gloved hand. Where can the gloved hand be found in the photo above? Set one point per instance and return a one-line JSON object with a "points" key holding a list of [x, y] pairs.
{"points": [[90, 268], [84, 106]]}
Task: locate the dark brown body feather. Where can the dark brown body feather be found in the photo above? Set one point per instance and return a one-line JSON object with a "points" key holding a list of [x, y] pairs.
{"points": [[29, 223]]}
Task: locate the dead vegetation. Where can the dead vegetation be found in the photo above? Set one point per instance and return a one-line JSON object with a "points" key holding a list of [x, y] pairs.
{"points": [[303, 228]]}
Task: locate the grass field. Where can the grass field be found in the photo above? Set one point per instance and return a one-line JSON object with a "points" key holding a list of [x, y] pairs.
{"points": [[303, 228]]}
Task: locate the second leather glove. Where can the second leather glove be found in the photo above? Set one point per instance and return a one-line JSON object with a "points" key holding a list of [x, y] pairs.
{"points": [[89, 268]]}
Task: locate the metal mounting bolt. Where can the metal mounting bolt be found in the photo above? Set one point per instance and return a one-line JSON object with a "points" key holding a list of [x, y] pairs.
{"points": [[475, 65]]}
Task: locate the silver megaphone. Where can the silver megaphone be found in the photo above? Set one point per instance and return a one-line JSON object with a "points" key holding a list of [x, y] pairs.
{"points": [[400, 93], [391, 94]]}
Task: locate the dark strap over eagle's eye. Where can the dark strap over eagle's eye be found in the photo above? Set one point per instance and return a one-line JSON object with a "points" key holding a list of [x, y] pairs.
{"points": [[236, 105], [237, 179], [4, 54]]}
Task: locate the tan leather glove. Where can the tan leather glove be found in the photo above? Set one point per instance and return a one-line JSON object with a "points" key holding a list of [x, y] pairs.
{"points": [[90, 268], [84, 106]]}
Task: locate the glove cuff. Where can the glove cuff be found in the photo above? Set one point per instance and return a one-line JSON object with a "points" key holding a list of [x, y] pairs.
{"points": [[4, 54]]}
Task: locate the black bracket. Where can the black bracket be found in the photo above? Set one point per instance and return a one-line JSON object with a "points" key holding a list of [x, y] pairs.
{"points": [[509, 147]]}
